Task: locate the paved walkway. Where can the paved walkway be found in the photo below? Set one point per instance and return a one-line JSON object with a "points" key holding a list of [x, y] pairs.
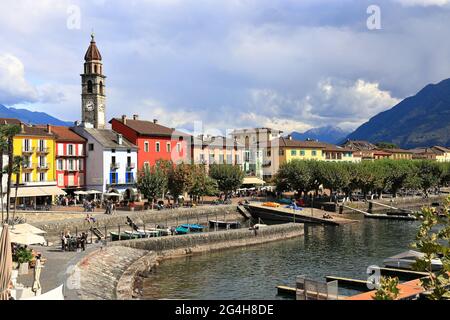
{"points": [[55, 270]]}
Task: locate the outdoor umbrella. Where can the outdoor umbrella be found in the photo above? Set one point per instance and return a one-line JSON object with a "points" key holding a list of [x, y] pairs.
{"points": [[5, 262], [37, 275], [25, 228], [27, 239]]}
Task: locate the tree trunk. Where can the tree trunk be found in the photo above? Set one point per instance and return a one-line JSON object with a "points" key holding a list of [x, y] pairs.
{"points": [[10, 167], [1, 185], [15, 197]]}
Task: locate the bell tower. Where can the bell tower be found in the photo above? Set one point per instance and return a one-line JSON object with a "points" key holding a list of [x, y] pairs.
{"points": [[93, 97]]}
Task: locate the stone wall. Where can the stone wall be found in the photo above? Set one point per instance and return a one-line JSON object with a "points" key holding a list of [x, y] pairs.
{"points": [[54, 228], [206, 241]]}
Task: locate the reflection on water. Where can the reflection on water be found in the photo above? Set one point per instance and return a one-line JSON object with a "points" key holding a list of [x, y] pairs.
{"points": [[254, 272]]}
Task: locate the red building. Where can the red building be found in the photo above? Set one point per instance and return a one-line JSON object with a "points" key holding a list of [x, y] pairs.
{"points": [[70, 159], [155, 142]]}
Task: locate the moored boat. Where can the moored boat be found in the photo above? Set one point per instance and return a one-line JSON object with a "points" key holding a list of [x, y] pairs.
{"points": [[189, 228], [127, 235], [224, 224], [405, 260]]}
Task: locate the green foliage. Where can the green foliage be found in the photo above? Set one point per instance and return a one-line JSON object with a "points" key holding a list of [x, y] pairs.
{"points": [[433, 240], [202, 184], [388, 289], [229, 177], [180, 180], [386, 145], [152, 182], [368, 176], [23, 255]]}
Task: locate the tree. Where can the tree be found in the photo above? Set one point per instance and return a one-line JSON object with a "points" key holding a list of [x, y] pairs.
{"points": [[17, 165], [429, 174], [396, 174], [229, 177], [433, 240], [180, 180], [151, 182], [202, 184], [388, 289], [9, 131], [3, 148], [386, 145]]}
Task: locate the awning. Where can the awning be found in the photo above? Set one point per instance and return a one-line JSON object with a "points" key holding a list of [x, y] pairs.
{"points": [[55, 294], [253, 180], [93, 192], [27, 239], [38, 191], [80, 193]]}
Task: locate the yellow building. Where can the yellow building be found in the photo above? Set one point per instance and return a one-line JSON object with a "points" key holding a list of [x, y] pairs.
{"points": [[312, 150], [36, 145]]}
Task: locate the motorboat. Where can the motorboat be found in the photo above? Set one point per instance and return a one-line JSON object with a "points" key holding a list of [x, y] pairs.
{"points": [[405, 260]]}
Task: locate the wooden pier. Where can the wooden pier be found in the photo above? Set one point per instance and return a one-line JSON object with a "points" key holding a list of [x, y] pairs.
{"points": [[408, 217], [306, 215], [244, 212], [348, 283]]}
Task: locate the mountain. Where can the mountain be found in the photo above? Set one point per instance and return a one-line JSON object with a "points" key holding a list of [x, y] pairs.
{"points": [[328, 134], [418, 121], [32, 117]]}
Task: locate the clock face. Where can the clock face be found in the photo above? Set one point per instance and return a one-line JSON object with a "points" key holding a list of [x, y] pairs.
{"points": [[101, 108], [89, 106]]}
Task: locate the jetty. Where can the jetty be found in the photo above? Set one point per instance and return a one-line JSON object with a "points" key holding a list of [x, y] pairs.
{"points": [[390, 215], [244, 212], [348, 283], [305, 215]]}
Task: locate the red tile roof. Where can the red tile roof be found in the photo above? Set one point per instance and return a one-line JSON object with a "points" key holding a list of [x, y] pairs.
{"points": [[65, 134], [149, 128], [92, 52]]}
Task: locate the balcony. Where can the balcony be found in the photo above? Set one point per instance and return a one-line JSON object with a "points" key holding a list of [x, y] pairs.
{"points": [[28, 150], [27, 167], [131, 166], [43, 150], [266, 164], [115, 166], [42, 166], [72, 169], [121, 182]]}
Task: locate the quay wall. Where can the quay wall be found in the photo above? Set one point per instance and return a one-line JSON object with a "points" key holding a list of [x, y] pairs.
{"points": [[54, 228], [116, 271]]}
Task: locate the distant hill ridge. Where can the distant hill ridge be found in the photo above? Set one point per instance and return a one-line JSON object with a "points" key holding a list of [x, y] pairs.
{"points": [[32, 117], [417, 121], [329, 134]]}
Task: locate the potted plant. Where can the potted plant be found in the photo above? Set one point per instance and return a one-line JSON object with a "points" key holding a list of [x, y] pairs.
{"points": [[23, 257], [132, 205]]}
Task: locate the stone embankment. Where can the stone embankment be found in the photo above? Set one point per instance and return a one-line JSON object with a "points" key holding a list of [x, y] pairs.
{"points": [[115, 272], [110, 222]]}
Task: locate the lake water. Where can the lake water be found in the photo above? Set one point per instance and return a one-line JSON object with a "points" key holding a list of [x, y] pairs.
{"points": [[254, 272]]}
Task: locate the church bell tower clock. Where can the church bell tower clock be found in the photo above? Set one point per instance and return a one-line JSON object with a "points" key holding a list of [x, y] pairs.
{"points": [[93, 96]]}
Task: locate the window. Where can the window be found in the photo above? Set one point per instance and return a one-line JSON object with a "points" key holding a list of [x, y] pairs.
{"points": [[60, 149], [41, 145], [202, 157], [221, 158], [302, 153], [89, 86], [229, 159], [146, 165], [269, 153], [42, 162], [26, 177], [113, 161], [146, 146], [236, 159], [293, 153], [168, 147], [70, 150], [71, 165], [314, 153], [27, 145], [61, 179], [60, 165], [91, 147], [157, 147], [80, 165], [113, 177], [113, 150], [129, 177], [42, 176], [211, 158]]}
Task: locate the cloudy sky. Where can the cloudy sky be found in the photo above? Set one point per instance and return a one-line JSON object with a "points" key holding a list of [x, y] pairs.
{"points": [[288, 64]]}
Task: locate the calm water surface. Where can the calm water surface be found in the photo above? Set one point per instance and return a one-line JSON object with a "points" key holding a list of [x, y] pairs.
{"points": [[254, 272]]}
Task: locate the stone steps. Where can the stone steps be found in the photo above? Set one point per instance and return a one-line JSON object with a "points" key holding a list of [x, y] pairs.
{"points": [[101, 271]]}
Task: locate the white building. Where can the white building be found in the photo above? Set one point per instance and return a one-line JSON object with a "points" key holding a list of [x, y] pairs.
{"points": [[5, 178], [110, 161]]}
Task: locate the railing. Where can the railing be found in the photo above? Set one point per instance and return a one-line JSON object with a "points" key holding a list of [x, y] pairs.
{"points": [[267, 164], [115, 166], [27, 166], [72, 169], [121, 182], [28, 150], [42, 166], [131, 165], [43, 150]]}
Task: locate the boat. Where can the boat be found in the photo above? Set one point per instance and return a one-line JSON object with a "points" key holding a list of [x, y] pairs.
{"points": [[405, 260], [152, 231], [127, 235], [147, 233], [224, 224], [189, 228], [391, 215]]}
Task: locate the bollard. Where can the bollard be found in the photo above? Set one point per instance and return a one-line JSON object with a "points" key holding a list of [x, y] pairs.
{"points": [[118, 227], [106, 233]]}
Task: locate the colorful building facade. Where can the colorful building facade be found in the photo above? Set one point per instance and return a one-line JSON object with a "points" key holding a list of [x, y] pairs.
{"points": [[154, 141]]}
